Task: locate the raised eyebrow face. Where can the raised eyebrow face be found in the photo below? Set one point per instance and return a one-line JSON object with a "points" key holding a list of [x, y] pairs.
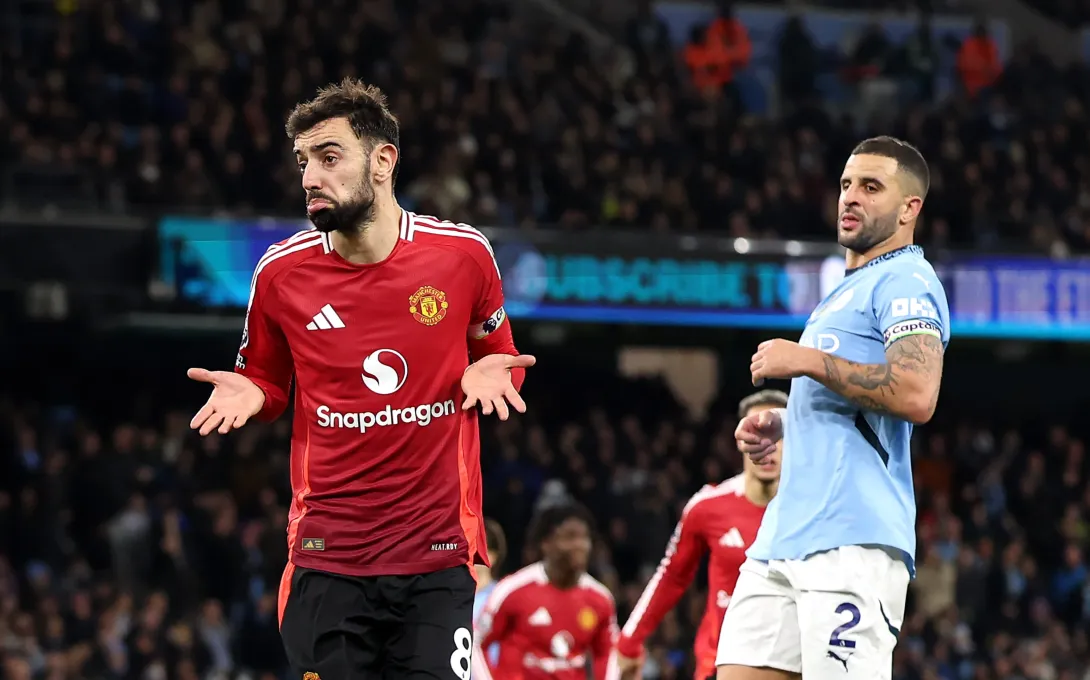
{"points": [[303, 151]]}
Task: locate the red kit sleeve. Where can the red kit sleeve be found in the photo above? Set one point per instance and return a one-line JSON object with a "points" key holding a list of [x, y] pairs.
{"points": [[672, 578], [492, 626], [490, 330], [264, 356], [602, 650]]}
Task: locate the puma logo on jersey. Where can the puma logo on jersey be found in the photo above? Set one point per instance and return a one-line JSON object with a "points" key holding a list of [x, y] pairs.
{"points": [[732, 539], [540, 617]]}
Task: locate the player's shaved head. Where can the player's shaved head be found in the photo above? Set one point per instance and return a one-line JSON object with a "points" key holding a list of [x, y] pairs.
{"points": [[914, 174], [362, 105], [882, 190]]}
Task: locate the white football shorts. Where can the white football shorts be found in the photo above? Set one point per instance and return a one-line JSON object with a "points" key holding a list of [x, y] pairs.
{"points": [[835, 615]]}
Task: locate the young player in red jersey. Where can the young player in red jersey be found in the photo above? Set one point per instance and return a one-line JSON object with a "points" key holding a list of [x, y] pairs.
{"points": [[376, 313], [721, 520], [549, 616]]}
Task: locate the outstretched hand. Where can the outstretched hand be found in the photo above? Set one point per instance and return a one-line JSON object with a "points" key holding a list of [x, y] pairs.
{"points": [[234, 400], [488, 382], [758, 434]]}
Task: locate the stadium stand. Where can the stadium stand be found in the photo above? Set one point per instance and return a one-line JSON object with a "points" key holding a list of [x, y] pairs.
{"points": [[129, 549], [1074, 13], [129, 108], [131, 545]]}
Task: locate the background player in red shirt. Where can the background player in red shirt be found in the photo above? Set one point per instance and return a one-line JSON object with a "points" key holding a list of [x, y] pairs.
{"points": [[548, 617], [376, 313], [722, 521]]}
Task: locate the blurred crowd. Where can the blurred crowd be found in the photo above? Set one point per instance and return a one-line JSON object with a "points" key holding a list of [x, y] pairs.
{"points": [[138, 105], [131, 549], [1070, 13]]}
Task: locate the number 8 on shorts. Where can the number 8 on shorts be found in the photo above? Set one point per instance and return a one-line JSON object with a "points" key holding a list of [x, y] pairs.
{"points": [[460, 660]]}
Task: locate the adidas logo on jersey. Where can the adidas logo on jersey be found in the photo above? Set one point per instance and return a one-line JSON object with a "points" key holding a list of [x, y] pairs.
{"points": [[325, 319], [540, 617], [732, 539]]}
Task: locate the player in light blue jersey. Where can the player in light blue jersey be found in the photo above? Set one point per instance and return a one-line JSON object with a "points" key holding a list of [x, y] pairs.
{"points": [[822, 592], [486, 580]]}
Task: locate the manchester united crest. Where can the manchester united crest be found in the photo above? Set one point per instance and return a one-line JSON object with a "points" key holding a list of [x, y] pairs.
{"points": [[428, 305], [587, 618], [311, 675]]}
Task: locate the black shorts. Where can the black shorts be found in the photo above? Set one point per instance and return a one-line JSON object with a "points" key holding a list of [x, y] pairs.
{"points": [[379, 627]]}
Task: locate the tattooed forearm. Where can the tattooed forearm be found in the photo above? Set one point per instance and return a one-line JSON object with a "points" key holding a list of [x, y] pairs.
{"points": [[913, 368]]}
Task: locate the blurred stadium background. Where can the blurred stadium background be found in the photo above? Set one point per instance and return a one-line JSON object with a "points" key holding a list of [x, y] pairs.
{"points": [[659, 183]]}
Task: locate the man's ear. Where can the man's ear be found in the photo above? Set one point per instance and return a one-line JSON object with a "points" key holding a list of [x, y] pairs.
{"points": [[383, 162], [910, 209]]}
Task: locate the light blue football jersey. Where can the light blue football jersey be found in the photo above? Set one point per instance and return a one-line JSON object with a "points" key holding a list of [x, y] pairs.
{"points": [[479, 600], [846, 476]]}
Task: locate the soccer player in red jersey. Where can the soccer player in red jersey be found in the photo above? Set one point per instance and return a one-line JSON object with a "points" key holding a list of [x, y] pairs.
{"points": [[549, 616], [719, 520], [393, 327]]}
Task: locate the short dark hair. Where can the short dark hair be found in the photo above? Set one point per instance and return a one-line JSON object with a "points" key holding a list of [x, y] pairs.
{"points": [[909, 159], [773, 398], [550, 518], [496, 541], [363, 105]]}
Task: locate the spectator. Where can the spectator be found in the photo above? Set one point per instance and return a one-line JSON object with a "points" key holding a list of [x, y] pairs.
{"points": [[728, 43], [922, 60], [648, 37], [978, 61], [935, 583], [798, 61]]}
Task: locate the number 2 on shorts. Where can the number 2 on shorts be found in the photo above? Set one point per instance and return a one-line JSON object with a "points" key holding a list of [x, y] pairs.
{"points": [[835, 640]]}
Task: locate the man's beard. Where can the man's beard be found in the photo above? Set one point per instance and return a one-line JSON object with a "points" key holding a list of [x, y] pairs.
{"points": [[870, 233], [348, 217]]}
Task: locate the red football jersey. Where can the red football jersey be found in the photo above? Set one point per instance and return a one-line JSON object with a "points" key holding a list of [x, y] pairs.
{"points": [[545, 633], [385, 466], [720, 520]]}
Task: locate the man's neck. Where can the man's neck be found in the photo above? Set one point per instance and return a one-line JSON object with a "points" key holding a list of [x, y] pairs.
{"points": [[374, 242], [561, 578], [854, 260], [760, 492]]}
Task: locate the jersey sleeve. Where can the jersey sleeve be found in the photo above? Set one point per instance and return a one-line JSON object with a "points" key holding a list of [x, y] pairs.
{"points": [[264, 356], [489, 331], [672, 578], [911, 301], [492, 626], [603, 653]]}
